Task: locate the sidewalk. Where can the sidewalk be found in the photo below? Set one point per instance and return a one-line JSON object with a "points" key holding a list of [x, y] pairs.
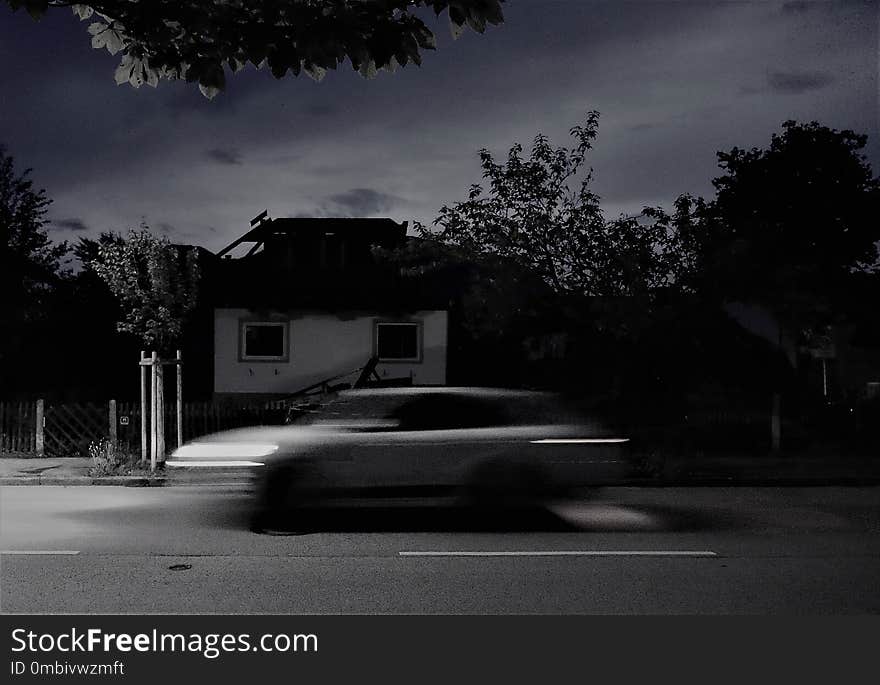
{"points": [[75, 471], [708, 471]]}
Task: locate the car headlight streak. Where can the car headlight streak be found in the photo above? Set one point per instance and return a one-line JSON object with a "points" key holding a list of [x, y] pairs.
{"points": [[578, 441], [227, 450]]}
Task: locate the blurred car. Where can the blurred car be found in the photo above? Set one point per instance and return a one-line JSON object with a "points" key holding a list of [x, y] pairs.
{"points": [[487, 445]]}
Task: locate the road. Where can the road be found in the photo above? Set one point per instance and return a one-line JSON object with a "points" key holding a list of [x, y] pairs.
{"points": [[624, 550]]}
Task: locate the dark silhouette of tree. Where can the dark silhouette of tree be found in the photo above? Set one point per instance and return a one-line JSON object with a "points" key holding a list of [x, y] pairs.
{"points": [[198, 40], [545, 281], [81, 355], [31, 267], [540, 214], [794, 227]]}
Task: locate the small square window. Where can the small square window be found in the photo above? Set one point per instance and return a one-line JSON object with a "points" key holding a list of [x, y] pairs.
{"points": [[264, 341], [398, 342]]}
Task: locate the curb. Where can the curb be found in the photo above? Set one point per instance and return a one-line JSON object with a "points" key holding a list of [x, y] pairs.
{"points": [[124, 481], [128, 481], [21, 480]]}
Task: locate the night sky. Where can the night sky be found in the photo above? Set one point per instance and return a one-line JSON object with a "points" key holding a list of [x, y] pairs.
{"points": [[674, 82]]}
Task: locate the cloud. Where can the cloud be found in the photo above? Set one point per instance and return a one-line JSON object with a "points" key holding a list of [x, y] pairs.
{"points": [[71, 224], [361, 201], [795, 82], [796, 7], [790, 83], [224, 155]]}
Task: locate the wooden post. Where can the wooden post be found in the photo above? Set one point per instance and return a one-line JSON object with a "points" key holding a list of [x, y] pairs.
{"points": [[143, 407], [179, 367], [153, 413], [41, 428], [111, 416], [160, 412]]}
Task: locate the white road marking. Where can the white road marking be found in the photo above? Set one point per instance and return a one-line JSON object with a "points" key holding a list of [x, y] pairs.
{"points": [[68, 552], [570, 553], [576, 441]]}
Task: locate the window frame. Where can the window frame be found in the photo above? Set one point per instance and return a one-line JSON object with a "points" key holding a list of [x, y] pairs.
{"points": [[273, 359], [399, 360]]}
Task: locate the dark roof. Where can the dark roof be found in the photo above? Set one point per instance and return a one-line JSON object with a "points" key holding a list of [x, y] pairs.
{"points": [[385, 232], [287, 265]]}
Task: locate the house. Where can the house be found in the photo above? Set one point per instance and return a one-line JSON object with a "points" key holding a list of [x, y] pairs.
{"points": [[299, 301]]}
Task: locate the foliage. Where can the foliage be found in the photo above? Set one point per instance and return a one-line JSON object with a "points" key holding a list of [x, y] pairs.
{"points": [[198, 40], [114, 458], [493, 297], [106, 457], [532, 218], [154, 281], [29, 263], [88, 250], [31, 267], [794, 226]]}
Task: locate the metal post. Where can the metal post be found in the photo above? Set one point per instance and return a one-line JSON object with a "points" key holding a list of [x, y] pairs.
{"points": [[154, 382], [111, 416], [179, 367], [160, 412], [143, 407], [776, 423], [41, 428]]}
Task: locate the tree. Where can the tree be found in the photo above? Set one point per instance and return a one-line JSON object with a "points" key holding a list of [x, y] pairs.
{"points": [[198, 40], [794, 227], [30, 264], [539, 222], [544, 266], [155, 283], [531, 217]]}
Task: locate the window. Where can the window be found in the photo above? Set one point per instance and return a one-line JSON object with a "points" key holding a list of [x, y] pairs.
{"points": [[398, 342], [263, 341]]}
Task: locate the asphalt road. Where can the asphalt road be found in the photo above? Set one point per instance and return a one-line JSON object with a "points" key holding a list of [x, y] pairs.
{"points": [[624, 550]]}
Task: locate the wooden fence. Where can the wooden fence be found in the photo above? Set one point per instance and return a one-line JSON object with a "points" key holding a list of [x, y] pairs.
{"points": [[69, 429], [18, 428], [36, 429]]}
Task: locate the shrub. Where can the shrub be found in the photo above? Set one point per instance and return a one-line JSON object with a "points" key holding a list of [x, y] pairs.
{"points": [[108, 457]]}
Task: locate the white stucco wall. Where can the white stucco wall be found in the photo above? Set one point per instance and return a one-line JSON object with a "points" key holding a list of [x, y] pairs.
{"points": [[320, 346]]}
